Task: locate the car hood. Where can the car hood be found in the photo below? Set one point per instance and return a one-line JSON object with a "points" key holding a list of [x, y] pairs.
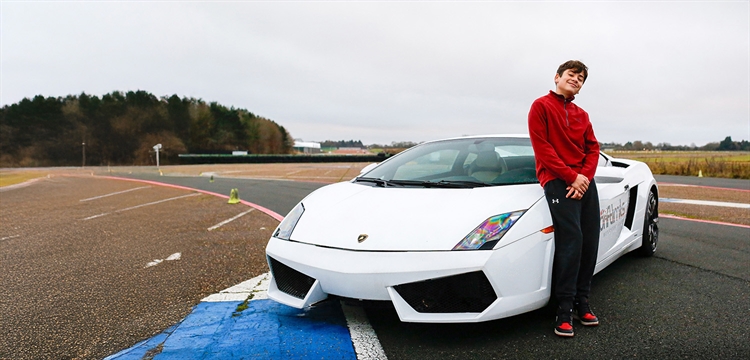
{"points": [[403, 219]]}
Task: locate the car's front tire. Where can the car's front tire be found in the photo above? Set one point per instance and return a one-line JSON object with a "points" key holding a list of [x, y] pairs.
{"points": [[650, 226]]}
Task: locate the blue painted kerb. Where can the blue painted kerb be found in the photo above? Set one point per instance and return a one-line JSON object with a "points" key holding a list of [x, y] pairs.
{"points": [[265, 330]]}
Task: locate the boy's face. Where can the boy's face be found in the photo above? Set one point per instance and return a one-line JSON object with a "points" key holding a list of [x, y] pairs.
{"points": [[569, 84]]}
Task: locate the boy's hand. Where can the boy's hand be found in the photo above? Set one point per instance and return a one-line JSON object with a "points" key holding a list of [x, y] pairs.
{"points": [[578, 187]]}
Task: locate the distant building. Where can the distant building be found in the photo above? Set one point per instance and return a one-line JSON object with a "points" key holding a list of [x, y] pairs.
{"points": [[350, 150], [306, 147]]}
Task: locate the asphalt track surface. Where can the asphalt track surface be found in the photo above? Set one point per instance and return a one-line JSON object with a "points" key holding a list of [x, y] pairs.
{"points": [[691, 300], [277, 195], [704, 181], [75, 280]]}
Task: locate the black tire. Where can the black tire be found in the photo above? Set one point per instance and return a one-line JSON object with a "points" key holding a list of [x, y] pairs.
{"points": [[650, 226]]}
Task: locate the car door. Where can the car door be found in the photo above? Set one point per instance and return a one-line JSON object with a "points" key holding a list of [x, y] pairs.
{"points": [[613, 207]]}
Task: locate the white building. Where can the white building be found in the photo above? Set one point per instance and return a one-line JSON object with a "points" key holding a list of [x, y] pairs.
{"points": [[307, 147]]}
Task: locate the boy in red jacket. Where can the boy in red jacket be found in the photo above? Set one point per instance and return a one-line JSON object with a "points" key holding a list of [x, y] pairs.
{"points": [[567, 154]]}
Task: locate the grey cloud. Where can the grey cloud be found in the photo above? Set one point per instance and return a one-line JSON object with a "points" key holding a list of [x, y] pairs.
{"points": [[380, 72]]}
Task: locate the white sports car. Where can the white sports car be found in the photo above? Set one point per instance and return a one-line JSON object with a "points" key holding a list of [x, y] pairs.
{"points": [[453, 230]]}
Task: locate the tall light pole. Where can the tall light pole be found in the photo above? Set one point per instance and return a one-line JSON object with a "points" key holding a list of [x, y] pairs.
{"points": [[83, 161], [157, 147]]}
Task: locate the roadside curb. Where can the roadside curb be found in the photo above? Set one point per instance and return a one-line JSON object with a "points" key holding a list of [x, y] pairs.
{"points": [[667, 216], [241, 322]]}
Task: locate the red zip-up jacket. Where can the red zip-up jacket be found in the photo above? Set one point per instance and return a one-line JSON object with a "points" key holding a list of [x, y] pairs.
{"points": [[563, 140]]}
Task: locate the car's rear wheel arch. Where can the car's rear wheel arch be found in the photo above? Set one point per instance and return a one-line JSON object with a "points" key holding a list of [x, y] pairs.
{"points": [[650, 240]]}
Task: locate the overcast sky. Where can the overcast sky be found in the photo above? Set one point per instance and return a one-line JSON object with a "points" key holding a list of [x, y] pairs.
{"points": [[676, 72]]}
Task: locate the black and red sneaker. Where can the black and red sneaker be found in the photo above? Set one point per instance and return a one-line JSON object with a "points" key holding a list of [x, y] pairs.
{"points": [[564, 323], [583, 313]]}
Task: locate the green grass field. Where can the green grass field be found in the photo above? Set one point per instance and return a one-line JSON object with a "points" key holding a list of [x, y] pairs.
{"points": [[724, 164]]}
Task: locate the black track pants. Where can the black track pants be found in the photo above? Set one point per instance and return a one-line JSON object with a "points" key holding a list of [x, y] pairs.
{"points": [[576, 240]]}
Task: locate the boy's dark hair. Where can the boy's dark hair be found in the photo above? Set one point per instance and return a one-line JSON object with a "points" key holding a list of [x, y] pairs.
{"points": [[576, 66]]}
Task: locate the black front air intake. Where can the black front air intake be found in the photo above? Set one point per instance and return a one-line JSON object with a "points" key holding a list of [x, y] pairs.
{"points": [[464, 293], [290, 281]]}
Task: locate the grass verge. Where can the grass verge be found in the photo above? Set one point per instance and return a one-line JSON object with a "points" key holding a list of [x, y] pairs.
{"points": [[12, 178]]}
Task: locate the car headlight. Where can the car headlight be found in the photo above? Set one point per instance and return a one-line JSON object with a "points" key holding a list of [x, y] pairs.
{"points": [[284, 231], [489, 232]]}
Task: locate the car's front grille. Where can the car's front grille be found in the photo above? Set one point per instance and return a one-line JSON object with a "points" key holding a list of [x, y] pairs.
{"points": [[290, 281], [470, 292]]}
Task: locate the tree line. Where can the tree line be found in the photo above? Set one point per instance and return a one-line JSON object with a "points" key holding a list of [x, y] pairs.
{"points": [[343, 143], [359, 144], [725, 145], [122, 128]]}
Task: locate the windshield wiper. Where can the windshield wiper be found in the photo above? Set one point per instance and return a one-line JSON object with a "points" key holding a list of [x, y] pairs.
{"points": [[463, 183], [411, 182], [378, 182], [448, 184]]}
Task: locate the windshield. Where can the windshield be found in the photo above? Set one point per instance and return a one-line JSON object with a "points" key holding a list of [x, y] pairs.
{"points": [[467, 162]]}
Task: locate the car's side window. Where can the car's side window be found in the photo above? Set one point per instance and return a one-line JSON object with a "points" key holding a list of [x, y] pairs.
{"points": [[604, 161]]}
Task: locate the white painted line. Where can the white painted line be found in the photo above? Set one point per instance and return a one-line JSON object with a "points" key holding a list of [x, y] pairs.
{"points": [[365, 341], [157, 202], [260, 292], [95, 216], [18, 186], [228, 220], [704, 202], [114, 193], [257, 287], [154, 263], [9, 237], [142, 205], [707, 186], [175, 256]]}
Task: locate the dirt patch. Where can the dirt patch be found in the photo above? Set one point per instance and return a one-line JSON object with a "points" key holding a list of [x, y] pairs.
{"points": [[702, 193], [714, 213]]}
